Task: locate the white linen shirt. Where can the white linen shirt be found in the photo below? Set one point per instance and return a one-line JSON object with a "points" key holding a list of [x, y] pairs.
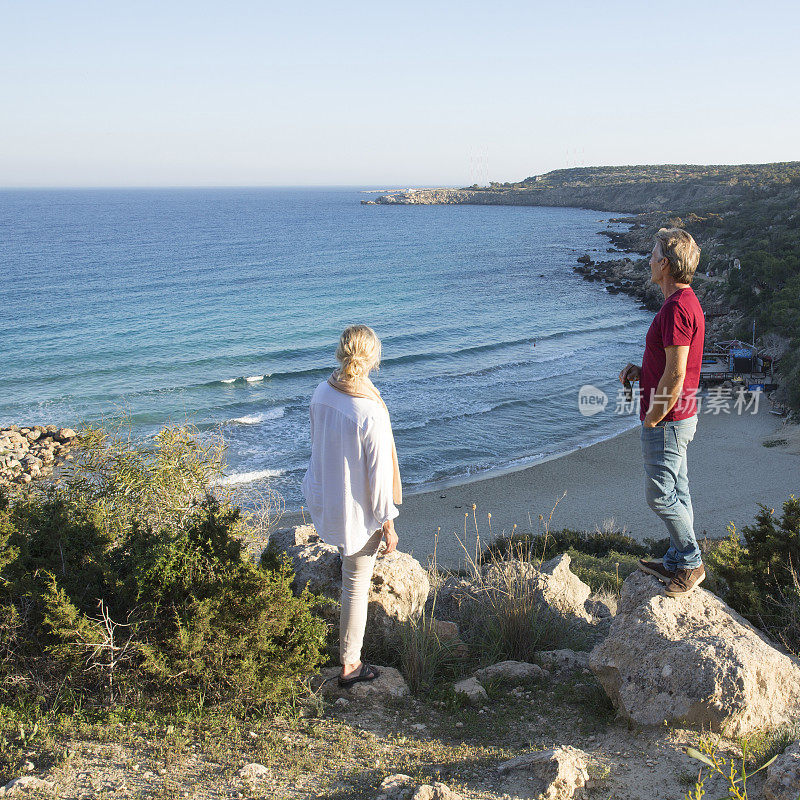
{"points": [[348, 484]]}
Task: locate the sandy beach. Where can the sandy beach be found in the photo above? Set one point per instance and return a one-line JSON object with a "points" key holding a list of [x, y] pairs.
{"points": [[730, 472]]}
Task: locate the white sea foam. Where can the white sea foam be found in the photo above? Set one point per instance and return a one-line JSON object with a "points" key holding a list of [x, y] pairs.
{"points": [[254, 419], [248, 477], [229, 380], [255, 378], [248, 419]]}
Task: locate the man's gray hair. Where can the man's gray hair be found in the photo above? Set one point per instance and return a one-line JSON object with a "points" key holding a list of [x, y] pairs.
{"points": [[682, 252]]}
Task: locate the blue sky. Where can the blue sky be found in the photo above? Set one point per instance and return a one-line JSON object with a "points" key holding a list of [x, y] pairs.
{"points": [[411, 93]]}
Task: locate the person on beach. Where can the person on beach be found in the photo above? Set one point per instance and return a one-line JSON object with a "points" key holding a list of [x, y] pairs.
{"points": [[352, 485], [668, 380]]}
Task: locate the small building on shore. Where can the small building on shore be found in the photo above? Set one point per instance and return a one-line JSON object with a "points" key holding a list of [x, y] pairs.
{"points": [[738, 362]]}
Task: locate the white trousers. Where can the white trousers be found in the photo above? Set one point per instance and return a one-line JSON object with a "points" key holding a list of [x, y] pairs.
{"points": [[356, 579]]}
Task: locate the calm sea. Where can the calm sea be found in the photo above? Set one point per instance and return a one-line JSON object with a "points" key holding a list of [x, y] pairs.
{"points": [[223, 306]]}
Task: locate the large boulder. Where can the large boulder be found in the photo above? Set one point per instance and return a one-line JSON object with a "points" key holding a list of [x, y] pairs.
{"points": [[693, 660], [399, 585]]}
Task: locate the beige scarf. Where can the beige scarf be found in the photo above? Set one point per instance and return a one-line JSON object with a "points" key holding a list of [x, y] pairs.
{"points": [[366, 388]]}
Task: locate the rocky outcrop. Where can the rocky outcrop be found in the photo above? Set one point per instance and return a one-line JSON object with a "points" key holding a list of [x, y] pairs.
{"points": [[399, 585], [693, 660], [28, 453], [560, 774], [783, 775], [623, 276]]}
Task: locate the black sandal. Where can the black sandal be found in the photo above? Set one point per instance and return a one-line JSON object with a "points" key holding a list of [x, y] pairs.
{"points": [[366, 673]]}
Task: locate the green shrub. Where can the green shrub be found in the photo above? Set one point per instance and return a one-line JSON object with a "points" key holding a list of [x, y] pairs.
{"points": [[603, 573], [759, 571], [131, 580], [543, 546]]}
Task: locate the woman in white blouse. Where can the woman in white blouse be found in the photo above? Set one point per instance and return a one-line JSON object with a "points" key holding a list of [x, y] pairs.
{"points": [[352, 485]]}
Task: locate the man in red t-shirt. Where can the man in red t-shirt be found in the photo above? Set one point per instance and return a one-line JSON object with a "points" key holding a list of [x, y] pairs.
{"points": [[668, 380]]}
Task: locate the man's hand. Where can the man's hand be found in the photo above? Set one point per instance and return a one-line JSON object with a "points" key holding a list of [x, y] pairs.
{"points": [[389, 536], [631, 372]]}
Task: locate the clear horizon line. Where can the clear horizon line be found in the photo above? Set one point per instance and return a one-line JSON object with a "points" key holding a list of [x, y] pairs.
{"points": [[375, 186]]}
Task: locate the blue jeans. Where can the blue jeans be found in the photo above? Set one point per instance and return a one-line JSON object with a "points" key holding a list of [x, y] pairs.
{"points": [[667, 488]]}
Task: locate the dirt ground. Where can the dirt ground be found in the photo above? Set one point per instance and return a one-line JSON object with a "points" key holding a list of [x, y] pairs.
{"points": [[337, 751]]}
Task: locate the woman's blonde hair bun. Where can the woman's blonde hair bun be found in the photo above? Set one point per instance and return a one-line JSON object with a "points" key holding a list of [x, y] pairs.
{"points": [[359, 352]]}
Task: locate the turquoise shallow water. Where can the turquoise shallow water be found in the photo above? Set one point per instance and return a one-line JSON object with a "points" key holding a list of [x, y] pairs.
{"points": [[223, 306]]}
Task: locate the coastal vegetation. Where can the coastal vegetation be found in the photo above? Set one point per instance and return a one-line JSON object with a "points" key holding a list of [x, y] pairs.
{"points": [[137, 618], [758, 571], [128, 581]]}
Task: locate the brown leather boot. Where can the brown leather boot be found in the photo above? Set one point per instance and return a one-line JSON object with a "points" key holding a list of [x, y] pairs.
{"points": [[656, 568], [685, 580]]}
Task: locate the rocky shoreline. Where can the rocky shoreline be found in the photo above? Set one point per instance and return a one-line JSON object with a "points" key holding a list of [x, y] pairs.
{"points": [[31, 452]]}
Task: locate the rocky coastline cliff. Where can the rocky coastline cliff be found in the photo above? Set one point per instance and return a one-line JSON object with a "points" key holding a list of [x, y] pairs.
{"points": [[632, 189]]}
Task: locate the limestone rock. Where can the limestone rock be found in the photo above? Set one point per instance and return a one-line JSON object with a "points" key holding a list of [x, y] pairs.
{"points": [[437, 791], [561, 773], [25, 782], [555, 585], [446, 631], [450, 636], [783, 775], [316, 564], [564, 660], [398, 592], [399, 585], [253, 771], [602, 606], [509, 671], [390, 685], [397, 787], [472, 690], [693, 660]]}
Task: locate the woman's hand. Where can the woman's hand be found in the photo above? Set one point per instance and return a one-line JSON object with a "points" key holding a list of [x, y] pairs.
{"points": [[389, 536]]}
